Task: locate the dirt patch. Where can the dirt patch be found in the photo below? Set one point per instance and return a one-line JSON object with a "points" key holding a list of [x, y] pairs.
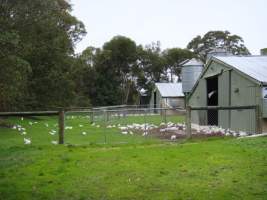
{"points": [[174, 133]]}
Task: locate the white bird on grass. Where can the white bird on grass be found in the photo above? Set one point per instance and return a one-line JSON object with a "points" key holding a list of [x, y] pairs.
{"points": [[68, 127], [52, 132], [124, 132], [54, 142], [80, 125], [145, 133], [242, 133], [84, 133], [27, 141], [173, 137], [123, 128]]}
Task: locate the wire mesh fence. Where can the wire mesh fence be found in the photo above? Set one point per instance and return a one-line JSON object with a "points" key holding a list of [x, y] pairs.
{"points": [[120, 125], [131, 124]]}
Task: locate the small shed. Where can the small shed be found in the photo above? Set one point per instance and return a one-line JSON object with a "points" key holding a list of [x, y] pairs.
{"points": [[232, 81], [167, 95]]}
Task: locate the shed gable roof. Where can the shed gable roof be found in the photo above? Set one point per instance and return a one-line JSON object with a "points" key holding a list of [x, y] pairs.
{"points": [[253, 66], [170, 89]]}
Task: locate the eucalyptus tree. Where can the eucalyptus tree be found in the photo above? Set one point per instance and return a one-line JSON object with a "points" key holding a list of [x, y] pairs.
{"points": [[38, 38], [218, 39]]}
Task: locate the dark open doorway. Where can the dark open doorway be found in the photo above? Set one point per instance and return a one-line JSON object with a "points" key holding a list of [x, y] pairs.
{"points": [[212, 99], [155, 99]]}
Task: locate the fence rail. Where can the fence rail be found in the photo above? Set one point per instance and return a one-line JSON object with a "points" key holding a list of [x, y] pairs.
{"points": [[34, 113], [222, 107]]}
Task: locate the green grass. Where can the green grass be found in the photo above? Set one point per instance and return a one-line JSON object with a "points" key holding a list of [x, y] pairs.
{"points": [[217, 168], [39, 133]]}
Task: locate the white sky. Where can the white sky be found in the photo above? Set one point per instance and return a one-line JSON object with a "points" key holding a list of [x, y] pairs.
{"points": [[173, 22]]}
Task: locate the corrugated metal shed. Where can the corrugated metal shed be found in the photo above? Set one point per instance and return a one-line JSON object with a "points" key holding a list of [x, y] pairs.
{"points": [[253, 66], [240, 82], [170, 89]]}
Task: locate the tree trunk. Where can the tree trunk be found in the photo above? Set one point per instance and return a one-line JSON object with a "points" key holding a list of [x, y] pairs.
{"points": [[128, 86]]}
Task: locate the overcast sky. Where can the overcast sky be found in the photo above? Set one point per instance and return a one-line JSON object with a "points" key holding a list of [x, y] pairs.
{"points": [[172, 22]]}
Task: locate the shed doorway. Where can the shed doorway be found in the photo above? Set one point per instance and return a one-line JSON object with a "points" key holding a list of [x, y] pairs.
{"points": [[155, 100], [212, 99]]}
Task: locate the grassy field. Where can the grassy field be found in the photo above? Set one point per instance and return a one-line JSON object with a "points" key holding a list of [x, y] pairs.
{"points": [[127, 167], [38, 129]]}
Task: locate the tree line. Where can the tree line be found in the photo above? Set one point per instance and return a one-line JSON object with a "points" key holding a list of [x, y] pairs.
{"points": [[40, 70]]}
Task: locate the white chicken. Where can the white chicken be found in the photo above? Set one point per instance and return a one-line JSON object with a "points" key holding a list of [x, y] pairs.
{"points": [[27, 141]]}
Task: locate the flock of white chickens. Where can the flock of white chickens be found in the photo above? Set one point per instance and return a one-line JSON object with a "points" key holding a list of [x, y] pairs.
{"points": [[174, 130], [177, 129], [23, 131]]}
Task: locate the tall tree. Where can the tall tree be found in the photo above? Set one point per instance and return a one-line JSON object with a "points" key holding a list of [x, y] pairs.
{"points": [[217, 39], [44, 34], [173, 59], [150, 67], [123, 57], [107, 89], [152, 62]]}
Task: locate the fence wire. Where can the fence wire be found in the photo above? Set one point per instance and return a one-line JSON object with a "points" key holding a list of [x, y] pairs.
{"points": [[120, 125], [131, 124]]}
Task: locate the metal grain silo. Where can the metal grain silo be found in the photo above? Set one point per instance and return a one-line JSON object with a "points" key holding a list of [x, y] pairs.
{"points": [[190, 74]]}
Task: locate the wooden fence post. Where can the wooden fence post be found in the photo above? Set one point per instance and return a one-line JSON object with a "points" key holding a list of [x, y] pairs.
{"points": [[105, 124], [145, 121], [92, 116], [258, 120], [188, 121], [107, 116], [61, 125], [165, 116]]}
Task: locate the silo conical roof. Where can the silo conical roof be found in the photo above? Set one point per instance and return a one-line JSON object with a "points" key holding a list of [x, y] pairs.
{"points": [[193, 62]]}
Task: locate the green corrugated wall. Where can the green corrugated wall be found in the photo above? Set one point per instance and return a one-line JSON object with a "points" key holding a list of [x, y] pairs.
{"points": [[235, 89]]}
